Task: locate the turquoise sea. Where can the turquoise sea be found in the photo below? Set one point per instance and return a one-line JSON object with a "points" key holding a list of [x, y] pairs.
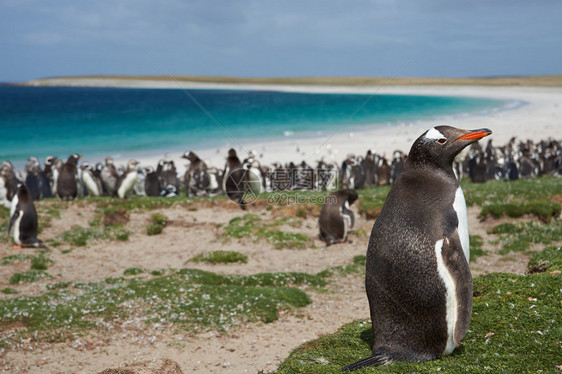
{"points": [[96, 122]]}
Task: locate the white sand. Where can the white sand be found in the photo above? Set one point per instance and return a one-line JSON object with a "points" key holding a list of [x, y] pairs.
{"points": [[531, 113]]}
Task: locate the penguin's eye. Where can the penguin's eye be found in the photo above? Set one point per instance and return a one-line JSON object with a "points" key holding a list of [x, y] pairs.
{"points": [[442, 140]]}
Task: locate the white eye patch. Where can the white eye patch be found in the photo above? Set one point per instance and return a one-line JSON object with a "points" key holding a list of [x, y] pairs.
{"points": [[433, 134]]}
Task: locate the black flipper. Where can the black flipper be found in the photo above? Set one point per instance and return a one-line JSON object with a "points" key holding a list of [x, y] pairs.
{"points": [[375, 360]]}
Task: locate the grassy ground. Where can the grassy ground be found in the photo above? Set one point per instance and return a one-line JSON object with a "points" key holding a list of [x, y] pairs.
{"points": [[515, 327], [512, 317]]}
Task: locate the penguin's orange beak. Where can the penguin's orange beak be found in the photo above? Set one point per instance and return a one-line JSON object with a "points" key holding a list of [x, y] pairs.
{"points": [[475, 134]]}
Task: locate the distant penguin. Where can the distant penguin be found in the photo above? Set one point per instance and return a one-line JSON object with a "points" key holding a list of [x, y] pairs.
{"points": [[370, 168], [23, 219], [33, 178], [397, 165], [57, 167], [46, 176], [383, 172], [109, 177], [151, 182], [139, 188], [67, 187], [90, 181], [196, 178], [234, 182], [478, 173], [336, 218], [127, 181], [8, 183], [418, 282]]}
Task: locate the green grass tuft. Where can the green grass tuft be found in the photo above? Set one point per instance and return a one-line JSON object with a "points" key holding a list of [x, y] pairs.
{"points": [[157, 223], [518, 237], [40, 262], [544, 210], [133, 271], [29, 277], [153, 229], [549, 259], [221, 257], [9, 291], [159, 219], [7, 260], [252, 226]]}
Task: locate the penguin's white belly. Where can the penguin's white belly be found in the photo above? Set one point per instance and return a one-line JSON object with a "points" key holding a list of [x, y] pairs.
{"points": [[459, 205], [14, 204], [90, 184], [451, 297], [213, 183], [127, 184], [17, 239]]}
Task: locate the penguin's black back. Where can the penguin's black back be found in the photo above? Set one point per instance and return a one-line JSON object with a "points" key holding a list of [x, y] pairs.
{"points": [[66, 183], [28, 223]]}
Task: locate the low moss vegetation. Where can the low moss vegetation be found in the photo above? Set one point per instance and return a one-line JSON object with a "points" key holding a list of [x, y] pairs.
{"points": [[79, 236], [476, 250], [544, 210], [253, 227], [494, 191], [29, 277], [549, 259], [518, 237], [187, 298], [515, 327], [221, 257]]}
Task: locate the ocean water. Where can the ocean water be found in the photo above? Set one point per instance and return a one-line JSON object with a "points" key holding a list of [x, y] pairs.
{"points": [[96, 122]]}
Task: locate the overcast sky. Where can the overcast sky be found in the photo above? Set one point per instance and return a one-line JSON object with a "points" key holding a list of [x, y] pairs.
{"points": [[263, 38]]}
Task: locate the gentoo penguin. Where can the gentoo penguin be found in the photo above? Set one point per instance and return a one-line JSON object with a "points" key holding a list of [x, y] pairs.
{"points": [[370, 167], [109, 177], [47, 177], [8, 183], [23, 219], [139, 188], [196, 179], [33, 178], [383, 172], [127, 181], [151, 182], [89, 180], [67, 187], [234, 182], [336, 218], [397, 165], [57, 167], [418, 282]]}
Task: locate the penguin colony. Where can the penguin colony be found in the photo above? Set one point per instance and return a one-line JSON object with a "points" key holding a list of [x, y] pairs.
{"points": [[417, 280], [514, 160]]}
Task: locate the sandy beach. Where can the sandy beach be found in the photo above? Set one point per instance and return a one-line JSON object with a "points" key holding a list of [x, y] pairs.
{"points": [[529, 113]]}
